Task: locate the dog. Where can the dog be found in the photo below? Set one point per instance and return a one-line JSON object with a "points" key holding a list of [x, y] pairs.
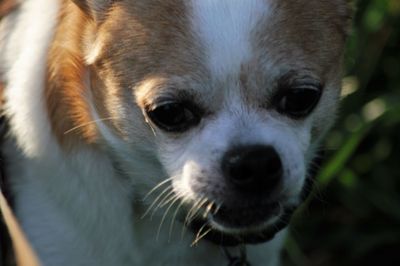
{"points": [[166, 132]]}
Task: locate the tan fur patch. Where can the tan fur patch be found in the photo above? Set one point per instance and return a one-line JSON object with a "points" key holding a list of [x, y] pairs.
{"points": [[304, 34], [6, 6], [135, 41], [142, 41], [304, 38], [66, 94]]}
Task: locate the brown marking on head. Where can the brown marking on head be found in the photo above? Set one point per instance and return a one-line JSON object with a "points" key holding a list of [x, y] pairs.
{"points": [[132, 42], [141, 42], [300, 39], [307, 35]]}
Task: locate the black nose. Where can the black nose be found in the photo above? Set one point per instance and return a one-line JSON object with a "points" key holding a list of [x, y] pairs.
{"points": [[255, 168]]}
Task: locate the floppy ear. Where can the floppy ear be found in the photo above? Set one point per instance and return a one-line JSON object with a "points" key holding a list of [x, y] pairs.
{"points": [[94, 8]]}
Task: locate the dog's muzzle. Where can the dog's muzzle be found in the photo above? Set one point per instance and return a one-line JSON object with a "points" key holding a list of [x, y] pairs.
{"points": [[249, 216], [253, 174]]}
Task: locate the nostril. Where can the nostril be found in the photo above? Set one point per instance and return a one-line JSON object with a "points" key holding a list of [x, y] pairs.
{"points": [[274, 165], [255, 168]]}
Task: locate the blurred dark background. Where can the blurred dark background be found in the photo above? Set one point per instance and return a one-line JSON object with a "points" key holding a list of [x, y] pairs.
{"points": [[353, 216]]}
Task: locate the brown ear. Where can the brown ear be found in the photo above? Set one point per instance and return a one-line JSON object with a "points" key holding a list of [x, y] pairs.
{"points": [[94, 8]]}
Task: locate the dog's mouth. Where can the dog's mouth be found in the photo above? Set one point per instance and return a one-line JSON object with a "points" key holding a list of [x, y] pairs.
{"points": [[252, 224], [235, 226], [247, 217]]}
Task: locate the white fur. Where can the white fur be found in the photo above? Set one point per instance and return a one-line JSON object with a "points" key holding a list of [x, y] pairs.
{"points": [[25, 75], [225, 29]]}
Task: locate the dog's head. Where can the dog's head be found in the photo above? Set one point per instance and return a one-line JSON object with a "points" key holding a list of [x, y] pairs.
{"points": [[228, 99]]}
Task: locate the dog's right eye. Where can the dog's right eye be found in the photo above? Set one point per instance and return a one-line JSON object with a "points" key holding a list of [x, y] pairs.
{"points": [[174, 117]]}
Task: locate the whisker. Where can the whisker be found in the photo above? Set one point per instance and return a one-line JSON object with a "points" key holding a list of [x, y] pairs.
{"points": [[165, 215], [194, 214], [186, 220], [208, 209], [156, 200], [157, 187], [164, 199], [168, 197], [87, 124], [186, 198], [168, 201], [151, 127], [200, 235], [217, 208], [192, 209], [171, 226]]}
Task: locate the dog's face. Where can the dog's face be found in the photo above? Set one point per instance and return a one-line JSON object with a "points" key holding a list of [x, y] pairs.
{"points": [[228, 99]]}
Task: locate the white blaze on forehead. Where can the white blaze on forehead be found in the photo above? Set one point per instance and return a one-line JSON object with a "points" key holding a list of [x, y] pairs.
{"points": [[225, 28]]}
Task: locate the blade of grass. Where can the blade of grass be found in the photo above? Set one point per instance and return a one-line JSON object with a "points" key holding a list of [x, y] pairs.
{"points": [[337, 163]]}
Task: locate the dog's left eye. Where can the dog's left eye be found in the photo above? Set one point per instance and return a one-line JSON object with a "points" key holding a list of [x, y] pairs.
{"points": [[174, 117], [298, 102]]}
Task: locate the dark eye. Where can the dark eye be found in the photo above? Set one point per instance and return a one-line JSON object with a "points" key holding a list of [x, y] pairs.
{"points": [[174, 117], [298, 102]]}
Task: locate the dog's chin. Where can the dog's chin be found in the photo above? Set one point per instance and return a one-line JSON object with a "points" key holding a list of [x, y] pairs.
{"points": [[229, 228]]}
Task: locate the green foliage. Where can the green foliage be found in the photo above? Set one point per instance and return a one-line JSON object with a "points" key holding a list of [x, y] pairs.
{"points": [[354, 216]]}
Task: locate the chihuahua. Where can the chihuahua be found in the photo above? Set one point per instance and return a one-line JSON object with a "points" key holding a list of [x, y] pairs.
{"points": [[166, 132]]}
